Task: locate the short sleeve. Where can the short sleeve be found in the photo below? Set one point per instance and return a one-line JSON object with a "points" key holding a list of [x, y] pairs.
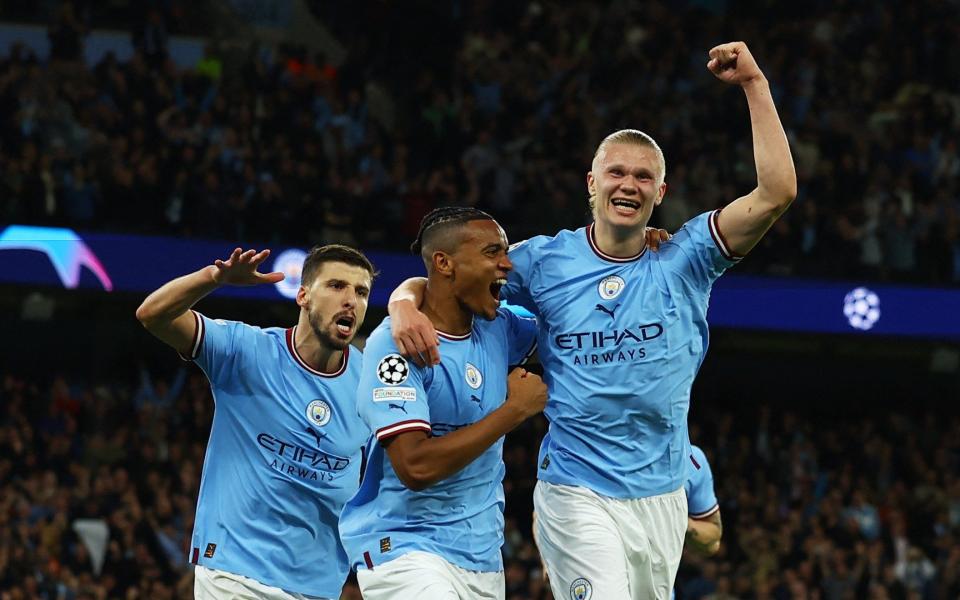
{"points": [[517, 291], [391, 398], [521, 336], [218, 346], [699, 251], [702, 501]]}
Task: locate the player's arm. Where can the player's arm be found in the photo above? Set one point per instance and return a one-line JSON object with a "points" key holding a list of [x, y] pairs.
{"points": [[745, 220], [166, 312], [704, 534], [422, 461], [412, 332]]}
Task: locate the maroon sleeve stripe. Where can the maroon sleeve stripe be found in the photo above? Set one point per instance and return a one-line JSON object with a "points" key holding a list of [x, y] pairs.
{"points": [[721, 242], [704, 515], [402, 427], [197, 338]]}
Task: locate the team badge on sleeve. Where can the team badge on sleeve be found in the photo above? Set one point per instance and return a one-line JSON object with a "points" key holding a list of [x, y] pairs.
{"points": [[393, 369], [318, 413]]}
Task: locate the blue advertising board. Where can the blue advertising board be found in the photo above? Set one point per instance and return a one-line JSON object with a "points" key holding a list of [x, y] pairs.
{"points": [[58, 257]]}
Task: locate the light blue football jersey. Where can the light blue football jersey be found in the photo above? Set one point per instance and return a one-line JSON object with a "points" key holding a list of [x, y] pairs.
{"points": [[461, 517], [621, 340], [701, 498], [284, 455]]}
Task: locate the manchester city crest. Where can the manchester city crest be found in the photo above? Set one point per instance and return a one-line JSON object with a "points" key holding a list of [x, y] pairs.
{"points": [[473, 377], [610, 287], [581, 589], [318, 413]]}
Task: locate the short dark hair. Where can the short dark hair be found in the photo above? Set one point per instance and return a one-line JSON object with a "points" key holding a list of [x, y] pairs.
{"points": [[319, 255], [441, 218]]}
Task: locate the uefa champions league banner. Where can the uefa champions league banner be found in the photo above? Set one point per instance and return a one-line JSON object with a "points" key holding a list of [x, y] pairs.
{"points": [[62, 258], [59, 257]]}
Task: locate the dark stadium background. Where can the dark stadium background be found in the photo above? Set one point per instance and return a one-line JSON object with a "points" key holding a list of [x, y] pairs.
{"points": [[836, 457]]}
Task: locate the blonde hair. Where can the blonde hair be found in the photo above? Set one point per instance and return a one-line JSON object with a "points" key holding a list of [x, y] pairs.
{"points": [[633, 137]]}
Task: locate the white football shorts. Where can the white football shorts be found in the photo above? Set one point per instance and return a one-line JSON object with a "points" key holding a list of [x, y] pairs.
{"points": [[607, 548], [213, 584], [425, 576]]}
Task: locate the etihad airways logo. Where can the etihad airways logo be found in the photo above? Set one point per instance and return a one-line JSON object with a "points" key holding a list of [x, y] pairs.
{"points": [[66, 250], [605, 339], [305, 463]]}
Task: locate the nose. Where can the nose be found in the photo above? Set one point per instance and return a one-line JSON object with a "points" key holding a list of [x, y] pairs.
{"points": [[505, 263], [350, 298], [629, 184]]}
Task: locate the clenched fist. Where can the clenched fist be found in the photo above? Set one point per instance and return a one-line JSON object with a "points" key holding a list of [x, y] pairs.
{"points": [[526, 392], [732, 63]]}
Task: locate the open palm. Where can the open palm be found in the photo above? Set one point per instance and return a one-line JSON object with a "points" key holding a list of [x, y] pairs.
{"points": [[241, 268]]}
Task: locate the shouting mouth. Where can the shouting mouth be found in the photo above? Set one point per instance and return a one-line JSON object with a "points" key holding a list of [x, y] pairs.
{"points": [[345, 324], [495, 288]]}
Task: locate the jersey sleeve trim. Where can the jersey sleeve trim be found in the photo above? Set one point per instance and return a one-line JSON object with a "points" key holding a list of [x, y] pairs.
{"points": [[721, 242], [385, 433], [530, 352], [197, 338], [704, 515]]}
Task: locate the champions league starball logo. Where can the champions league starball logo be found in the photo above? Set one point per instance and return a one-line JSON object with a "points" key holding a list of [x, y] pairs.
{"points": [[861, 307], [393, 369]]}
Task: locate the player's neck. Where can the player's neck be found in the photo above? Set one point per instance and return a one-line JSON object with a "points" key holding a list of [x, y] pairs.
{"points": [[443, 310], [317, 355], [619, 241]]}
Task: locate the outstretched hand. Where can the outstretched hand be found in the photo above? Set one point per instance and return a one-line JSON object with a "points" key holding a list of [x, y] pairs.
{"points": [[241, 269], [732, 63]]}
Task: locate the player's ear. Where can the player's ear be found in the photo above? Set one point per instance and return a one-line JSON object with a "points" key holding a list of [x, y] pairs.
{"points": [[442, 262], [302, 300], [591, 184], [661, 193]]}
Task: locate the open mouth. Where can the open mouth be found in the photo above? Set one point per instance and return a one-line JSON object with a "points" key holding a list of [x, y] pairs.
{"points": [[345, 324], [626, 204], [495, 288]]}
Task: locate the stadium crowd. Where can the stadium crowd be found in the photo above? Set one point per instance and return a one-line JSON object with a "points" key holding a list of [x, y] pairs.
{"points": [[496, 104], [813, 508], [500, 104]]}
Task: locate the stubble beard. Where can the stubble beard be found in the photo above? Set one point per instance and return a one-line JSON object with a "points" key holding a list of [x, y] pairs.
{"points": [[323, 335]]}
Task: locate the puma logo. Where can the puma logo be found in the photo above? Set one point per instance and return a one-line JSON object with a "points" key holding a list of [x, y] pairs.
{"points": [[316, 436], [609, 311], [399, 407], [476, 399]]}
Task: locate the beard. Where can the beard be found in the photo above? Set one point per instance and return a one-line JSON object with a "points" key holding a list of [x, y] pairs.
{"points": [[327, 339]]}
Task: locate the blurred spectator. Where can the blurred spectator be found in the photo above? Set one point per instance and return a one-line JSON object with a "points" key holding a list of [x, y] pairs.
{"points": [[503, 114], [815, 507]]}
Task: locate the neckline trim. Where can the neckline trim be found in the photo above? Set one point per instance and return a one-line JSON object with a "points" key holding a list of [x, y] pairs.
{"points": [[592, 242], [292, 347]]}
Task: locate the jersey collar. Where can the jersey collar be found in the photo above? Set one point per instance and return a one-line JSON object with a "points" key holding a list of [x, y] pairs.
{"points": [[292, 347], [592, 242]]}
